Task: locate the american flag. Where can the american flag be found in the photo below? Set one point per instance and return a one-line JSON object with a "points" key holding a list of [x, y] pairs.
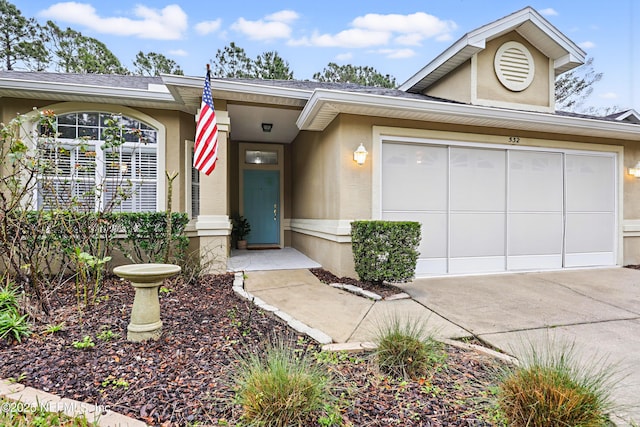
{"points": [[206, 146]]}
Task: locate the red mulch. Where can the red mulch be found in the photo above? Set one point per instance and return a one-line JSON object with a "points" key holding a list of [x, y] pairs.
{"points": [[186, 376]]}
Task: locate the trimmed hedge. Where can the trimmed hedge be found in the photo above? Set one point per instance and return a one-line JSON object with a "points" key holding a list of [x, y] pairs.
{"points": [[143, 235], [385, 250], [139, 237]]}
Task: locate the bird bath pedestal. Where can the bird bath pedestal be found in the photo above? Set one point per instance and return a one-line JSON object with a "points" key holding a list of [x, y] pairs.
{"points": [[145, 314]]}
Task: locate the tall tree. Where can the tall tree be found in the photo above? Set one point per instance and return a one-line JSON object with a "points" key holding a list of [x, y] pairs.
{"points": [[63, 46], [367, 76], [19, 39], [574, 87], [232, 61], [154, 64], [73, 52], [95, 57], [271, 66]]}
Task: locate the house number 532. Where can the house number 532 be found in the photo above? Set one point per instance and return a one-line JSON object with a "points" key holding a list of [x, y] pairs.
{"points": [[514, 140]]}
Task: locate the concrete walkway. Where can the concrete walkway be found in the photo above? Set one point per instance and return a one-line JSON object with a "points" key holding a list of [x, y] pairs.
{"points": [[597, 309]]}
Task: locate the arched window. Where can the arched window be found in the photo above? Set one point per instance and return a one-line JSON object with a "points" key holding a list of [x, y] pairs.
{"points": [[99, 162]]}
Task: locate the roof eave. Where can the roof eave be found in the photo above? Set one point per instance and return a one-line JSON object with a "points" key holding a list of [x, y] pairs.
{"points": [[325, 105], [235, 87], [31, 86]]}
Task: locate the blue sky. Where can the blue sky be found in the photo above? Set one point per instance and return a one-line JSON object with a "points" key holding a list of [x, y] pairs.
{"points": [[396, 38]]}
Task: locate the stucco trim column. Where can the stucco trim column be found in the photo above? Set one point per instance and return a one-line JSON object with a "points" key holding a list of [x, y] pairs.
{"points": [[213, 226]]}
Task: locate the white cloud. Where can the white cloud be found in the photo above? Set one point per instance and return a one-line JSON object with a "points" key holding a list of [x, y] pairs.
{"points": [[274, 26], [397, 53], [344, 56], [548, 12], [374, 29], [169, 23], [261, 30], [587, 45], [178, 52], [413, 39], [418, 23], [353, 38], [207, 27], [286, 16], [609, 95]]}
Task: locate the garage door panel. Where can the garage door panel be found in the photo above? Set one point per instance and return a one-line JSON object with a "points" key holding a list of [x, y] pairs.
{"points": [[431, 267], [535, 181], [590, 183], [414, 177], [592, 259], [478, 181], [476, 265], [535, 233], [477, 234], [534, 262], [589, 232]]}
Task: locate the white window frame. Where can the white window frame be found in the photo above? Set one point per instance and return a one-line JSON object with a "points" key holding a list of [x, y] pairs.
{"points": [[75, 107], [189, 202]]}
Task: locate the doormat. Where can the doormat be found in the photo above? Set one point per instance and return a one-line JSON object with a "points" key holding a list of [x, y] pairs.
{"points": [[261, 247]]}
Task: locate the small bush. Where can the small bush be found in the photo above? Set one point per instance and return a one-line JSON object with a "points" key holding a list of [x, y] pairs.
{"points": [[406, 349], [8, 298], [86, 343], [385, 250], [143, 236], [13, 326], [552, 388], [281, 387]]}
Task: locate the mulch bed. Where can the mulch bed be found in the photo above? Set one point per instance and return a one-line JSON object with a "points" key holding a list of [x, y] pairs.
{"points": [[186, 376], [385, 290]]}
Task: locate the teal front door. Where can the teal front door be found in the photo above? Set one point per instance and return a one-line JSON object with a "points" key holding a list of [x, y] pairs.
{"points": [[261, 198]]}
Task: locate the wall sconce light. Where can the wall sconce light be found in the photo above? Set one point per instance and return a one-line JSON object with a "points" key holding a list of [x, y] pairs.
{"points": [[266, 127], [360, 155], [635, 171]]}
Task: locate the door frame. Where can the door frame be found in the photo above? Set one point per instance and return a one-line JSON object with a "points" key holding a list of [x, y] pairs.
{"points": [[242, 166]]}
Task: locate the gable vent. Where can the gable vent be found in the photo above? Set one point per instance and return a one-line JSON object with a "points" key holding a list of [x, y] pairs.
{"points": [[514, 66]]}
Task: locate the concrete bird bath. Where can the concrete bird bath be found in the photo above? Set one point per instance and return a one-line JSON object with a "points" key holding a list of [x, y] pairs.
{"points": [[145, 314]]}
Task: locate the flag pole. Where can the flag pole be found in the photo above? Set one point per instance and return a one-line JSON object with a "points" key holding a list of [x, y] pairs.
{"points": [[206, 141]]}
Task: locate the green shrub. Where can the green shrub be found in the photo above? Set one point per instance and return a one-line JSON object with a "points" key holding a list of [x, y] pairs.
{"points": [[8, 298], [13, 326], [281, 387], [86, 343], [385, 250], [143, 236], [554, 388], [406, 348], [107, 335]]}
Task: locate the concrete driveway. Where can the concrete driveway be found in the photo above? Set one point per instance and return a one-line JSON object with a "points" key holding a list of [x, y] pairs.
{"points": [[597, 309]]}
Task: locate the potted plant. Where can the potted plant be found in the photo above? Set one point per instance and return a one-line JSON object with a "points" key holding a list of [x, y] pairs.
{"points": [[241, 228]]}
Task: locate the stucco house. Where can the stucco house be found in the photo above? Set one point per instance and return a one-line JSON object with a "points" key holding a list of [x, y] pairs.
{"points": [[471, 146]]}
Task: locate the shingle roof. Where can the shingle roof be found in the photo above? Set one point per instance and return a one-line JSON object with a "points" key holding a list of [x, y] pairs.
{"points": [[609, 118], [346, 87], [143, 82], [104, 80]]}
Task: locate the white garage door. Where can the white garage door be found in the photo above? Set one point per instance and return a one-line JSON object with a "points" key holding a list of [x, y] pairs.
{"points": [[491, 210]]}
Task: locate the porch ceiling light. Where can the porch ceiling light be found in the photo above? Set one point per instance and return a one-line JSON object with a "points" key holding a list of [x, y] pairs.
{"points": [[266, 127], [360, 155], [635, 171]]}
